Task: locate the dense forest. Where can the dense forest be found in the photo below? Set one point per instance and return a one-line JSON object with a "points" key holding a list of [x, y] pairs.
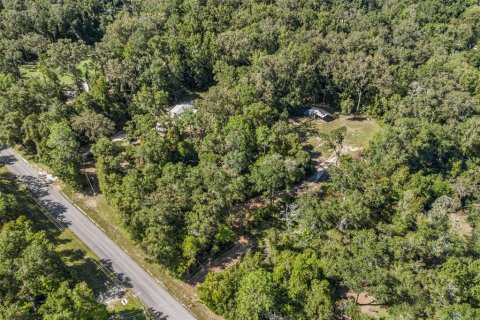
{"points": [[35, 283], [385, 223]]}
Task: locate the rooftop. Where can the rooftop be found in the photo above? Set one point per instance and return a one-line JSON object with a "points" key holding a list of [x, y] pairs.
{"points": [[181, 108]]}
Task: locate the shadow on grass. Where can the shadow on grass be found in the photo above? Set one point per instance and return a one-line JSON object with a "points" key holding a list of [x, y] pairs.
{"points": [[130, 314], [98, 274], [138, 313], [85, 269], [81, 266], [91, 185], [306, 129], [358, 119]]}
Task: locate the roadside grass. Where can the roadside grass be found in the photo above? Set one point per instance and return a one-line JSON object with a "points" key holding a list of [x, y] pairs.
{"points": [[131, 311], [102, 213], [82, 263], [359, 132], [97, 208]]}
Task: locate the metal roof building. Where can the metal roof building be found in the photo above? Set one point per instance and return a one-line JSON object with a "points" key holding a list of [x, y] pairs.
{"points": [[317, 112], [181, 108]]}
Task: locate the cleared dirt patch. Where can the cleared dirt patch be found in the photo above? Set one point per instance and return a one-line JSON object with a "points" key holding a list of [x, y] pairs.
{"points": [[223, 261], [367, 304]]}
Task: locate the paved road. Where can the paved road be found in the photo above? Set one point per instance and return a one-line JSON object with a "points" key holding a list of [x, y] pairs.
{"points": [[145, 286]]}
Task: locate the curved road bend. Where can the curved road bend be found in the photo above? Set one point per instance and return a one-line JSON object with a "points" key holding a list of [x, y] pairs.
{"points": [[152, 293]]}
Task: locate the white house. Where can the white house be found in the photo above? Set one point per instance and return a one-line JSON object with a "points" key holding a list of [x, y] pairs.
{"points": [[181, 108], [161, 130], [317, 112]]}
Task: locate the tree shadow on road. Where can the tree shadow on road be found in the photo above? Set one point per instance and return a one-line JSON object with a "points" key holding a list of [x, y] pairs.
{"points": [[156, 315], [120, 277], [7, 160], [57, 210], [38, 186]]}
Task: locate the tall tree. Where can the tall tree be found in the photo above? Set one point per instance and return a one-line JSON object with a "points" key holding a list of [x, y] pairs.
{"points": [[73, 303], [63, 153], [256, 296], [93, 125], [359, 73]]}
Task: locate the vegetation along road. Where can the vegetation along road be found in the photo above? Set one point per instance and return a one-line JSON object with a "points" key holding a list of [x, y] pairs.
{"points": [[145, 286]]}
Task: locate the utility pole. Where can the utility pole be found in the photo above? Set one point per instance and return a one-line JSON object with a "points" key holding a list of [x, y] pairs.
{"points": [[88, 180]]}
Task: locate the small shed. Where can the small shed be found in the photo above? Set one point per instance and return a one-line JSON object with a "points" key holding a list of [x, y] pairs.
{"points": [[161, 130], [316, 112], [182, 108]]}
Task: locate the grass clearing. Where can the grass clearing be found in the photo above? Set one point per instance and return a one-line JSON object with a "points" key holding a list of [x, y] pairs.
{"points": [[359, 132], [31, 71]]}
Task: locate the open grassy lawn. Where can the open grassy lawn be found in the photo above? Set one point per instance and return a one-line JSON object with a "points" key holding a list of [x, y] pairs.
{"points": [[81, 261], [31, 71], [359, 132]]}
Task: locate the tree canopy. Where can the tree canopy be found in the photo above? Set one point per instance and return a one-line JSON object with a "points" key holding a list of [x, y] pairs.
{"points": [[35, 283], [399, 220]]}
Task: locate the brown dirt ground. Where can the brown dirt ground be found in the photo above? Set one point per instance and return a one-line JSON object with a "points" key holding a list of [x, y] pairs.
{"points": [[367, 304]]}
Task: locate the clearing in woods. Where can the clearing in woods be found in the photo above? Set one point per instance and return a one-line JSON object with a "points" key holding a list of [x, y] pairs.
{"points": [[359, 132], [32, 71]]}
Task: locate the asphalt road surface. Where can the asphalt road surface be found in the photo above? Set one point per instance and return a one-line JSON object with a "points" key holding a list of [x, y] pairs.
{"points": [[152, 293]]}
